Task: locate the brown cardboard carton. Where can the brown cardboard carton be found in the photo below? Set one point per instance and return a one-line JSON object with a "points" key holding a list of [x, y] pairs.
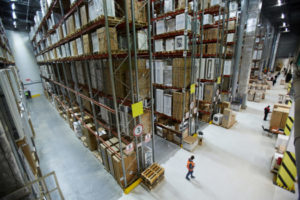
{"points": [[178, 72], [71, 25], [74, 48], [102, 38], [146, 121], [22, 144], [278, 118], [87, 45], [231, 25], [139, 10], [208, 92], [130, 168], [177, 107], [90, 137], [223, 105], [280, 105], [84, 15]]}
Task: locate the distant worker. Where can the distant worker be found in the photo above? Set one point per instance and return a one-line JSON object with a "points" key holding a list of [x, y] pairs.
{"points": [[274, 81], [267, 110], [190, 165]]}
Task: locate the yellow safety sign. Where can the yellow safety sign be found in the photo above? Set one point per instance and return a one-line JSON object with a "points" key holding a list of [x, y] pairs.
{"points": [[137, 109]]}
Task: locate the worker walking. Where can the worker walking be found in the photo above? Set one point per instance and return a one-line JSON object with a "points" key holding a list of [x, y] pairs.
{"points": [[190, 165], [267, 110]]}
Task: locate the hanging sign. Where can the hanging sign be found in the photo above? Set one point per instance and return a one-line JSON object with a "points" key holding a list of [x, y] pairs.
{"points": [[138, 130], [193, 86], [137, 109], [147, 138], [129, 148]]}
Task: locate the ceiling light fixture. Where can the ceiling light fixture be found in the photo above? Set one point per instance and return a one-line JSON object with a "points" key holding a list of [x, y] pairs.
{"points": [[14, 15], [15, 23], [283, 24], [282, 16], [279, 3], [13, 6]]}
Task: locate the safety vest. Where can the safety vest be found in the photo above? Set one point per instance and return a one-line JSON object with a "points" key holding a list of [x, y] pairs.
{"points": [[188, 165]]}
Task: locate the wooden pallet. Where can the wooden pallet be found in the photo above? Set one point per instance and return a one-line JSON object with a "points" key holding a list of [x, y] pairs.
{"points": [[152, 174]]}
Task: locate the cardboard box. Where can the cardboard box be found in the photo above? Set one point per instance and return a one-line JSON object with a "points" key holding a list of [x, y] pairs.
{"points": [[77, 20], [190, 143], [168, 75], [160, 27], [228, 118], [103, 151], [224, 105], [170, 25], [87, 45], [280, 105], [102, 38], [130, 164], [278, 118], [159, 45], [178, 72], [142, 40], [79, 46], [95, 42], [168, 104], [180, 22], [90, 137], [169, 6], [170, 44], [24, 146], [180, 42], [159, 70], [207, 19], [208, 92], [84, 15], [159, 100], [74, 48], [71, 24], [178, 110]]}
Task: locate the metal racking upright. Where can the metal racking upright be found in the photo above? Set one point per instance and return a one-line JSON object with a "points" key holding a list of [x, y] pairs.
{"points": [[62, 75]]}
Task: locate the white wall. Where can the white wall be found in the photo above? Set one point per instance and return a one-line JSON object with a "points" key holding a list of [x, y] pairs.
{"points": [[25, 60]]}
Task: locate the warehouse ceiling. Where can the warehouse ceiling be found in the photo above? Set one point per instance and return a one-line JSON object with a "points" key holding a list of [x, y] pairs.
{"points": [[273, 10], [24, 10]]}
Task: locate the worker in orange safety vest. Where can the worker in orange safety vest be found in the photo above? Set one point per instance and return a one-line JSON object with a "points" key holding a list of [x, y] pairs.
{"points": [[190, 165]]}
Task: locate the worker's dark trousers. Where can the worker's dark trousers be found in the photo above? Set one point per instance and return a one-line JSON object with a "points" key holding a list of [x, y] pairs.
{"points": [[266, 116], [189, 173]]}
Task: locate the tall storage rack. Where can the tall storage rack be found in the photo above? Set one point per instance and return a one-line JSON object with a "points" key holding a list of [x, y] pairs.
{"points": [[216, 65], [6, 57], [100, 86], [174, 64], [257, 52]]}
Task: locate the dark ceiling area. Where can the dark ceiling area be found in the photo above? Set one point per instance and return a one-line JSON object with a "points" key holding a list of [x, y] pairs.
{"points": [[25, 11], [289, 8], [288, 13]]}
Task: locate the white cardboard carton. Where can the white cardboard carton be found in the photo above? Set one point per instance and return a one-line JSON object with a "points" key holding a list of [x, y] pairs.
{"points": [[168, 104], [142, 40], [180, 22], [160, 27], [170, 44], [159, 103], [159, 46]]}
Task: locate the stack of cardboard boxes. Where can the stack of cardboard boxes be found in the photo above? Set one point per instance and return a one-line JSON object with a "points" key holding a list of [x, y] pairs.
{"points": [[279, 116], [256, 92], [229, 118]]}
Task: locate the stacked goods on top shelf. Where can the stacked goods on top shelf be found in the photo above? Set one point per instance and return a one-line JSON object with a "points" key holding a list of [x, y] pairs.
{"points": [[6, 56]]}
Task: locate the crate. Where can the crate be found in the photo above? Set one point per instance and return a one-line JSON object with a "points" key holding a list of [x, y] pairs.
{"points": [[153, 175]]}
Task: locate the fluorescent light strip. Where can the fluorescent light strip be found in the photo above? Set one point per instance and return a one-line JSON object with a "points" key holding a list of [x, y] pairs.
{"points": [[13, 6]]}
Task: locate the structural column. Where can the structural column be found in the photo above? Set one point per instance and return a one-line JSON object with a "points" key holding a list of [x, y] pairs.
{"points": [[253, 13], [274, 50]]}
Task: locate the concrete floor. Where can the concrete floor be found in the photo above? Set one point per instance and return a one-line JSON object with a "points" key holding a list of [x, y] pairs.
{"points": [[231, 164]]}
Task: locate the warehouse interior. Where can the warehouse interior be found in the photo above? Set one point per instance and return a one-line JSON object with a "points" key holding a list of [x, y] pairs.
{"points": [[121, 99]]}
